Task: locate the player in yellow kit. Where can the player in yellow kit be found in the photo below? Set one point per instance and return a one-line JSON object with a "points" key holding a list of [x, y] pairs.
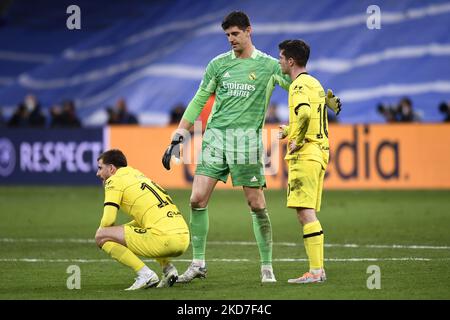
{"points": [[307, 150], [158, 229]]}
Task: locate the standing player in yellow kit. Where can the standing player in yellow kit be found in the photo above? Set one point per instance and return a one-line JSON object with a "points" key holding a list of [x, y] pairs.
{"points": [[158, 229], [307, 150]]}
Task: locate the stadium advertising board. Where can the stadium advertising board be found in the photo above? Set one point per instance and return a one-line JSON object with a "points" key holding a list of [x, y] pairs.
{"points": [[394, 156], [397, 156], [52, 157]]}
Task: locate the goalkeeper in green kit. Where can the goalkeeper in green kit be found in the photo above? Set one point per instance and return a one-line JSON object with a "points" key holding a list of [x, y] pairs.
{"points": [[242, 80]]}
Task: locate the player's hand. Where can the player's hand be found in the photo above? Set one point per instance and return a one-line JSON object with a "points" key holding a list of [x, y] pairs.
{"points": [[282, 132], [293, 146], [172, 150], [333, 102]]}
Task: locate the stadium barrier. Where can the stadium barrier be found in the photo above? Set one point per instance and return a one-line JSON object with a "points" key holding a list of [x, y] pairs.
{"points": [[394, 156], [378, 156], [49, 156]]}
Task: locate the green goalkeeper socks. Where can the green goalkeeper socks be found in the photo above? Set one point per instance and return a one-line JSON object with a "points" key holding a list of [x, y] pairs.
{"points": [[199, 225], [263, 234]]}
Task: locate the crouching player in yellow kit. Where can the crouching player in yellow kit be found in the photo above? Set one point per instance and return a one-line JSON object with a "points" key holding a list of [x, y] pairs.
{"points": [[157, 230], [307, 150]]}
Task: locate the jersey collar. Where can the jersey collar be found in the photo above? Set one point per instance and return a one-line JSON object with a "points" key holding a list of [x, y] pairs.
{"points": [[123, 169], [301, 74], [253, 56]]}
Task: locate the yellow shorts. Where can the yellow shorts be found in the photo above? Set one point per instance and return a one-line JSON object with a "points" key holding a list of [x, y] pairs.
{"points": [[305, 184], [146, 243]]}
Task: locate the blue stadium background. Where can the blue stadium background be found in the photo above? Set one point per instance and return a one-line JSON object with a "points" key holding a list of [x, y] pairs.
{"points": [[153, 53]]}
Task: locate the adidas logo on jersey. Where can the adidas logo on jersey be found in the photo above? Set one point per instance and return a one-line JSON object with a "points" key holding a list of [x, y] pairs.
{"points": [[226, 75], [254, 179]]}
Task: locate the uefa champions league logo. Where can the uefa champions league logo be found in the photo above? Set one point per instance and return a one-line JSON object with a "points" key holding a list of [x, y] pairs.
{"points": [[7, 157]]}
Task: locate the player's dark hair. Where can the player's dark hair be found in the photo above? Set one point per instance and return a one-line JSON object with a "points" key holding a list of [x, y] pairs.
{"points": [[114, 157], [297, 50], [236, 19]]}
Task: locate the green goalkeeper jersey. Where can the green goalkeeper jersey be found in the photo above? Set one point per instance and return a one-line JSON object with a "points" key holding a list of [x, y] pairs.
{"points": [[242, 89]]}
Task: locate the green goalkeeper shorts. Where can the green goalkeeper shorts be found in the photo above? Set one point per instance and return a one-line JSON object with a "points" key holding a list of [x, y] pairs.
{"points": [[246, 169]]}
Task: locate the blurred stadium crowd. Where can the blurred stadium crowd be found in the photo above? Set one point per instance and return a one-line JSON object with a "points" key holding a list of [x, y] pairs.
{"points": [[140, 62], [30, 114]]}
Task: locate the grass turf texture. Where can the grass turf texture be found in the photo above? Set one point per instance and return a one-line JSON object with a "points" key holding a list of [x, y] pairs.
{"points": [[55, 226]]}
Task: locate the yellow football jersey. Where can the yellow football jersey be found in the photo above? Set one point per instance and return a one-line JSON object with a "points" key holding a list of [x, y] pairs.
{"points": [[144, 200], [308, 119]]}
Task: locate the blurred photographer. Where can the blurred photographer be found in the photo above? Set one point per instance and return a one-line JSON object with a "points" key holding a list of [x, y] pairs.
{"points": [[403, 112], [406, 112], [388, 112], [444, 108]]}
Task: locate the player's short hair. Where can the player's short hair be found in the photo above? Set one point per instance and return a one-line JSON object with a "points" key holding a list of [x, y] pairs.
{"points": [[114, 157], [236, 19], [297, 50]]}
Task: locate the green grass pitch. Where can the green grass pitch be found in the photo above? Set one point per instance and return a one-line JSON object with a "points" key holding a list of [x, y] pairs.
{"points": [[406, 234]]}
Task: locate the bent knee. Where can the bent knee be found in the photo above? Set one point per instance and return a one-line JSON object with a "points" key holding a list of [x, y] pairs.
{"points": [[256, 204], [306, 215], [100, 237], [198, 201]]}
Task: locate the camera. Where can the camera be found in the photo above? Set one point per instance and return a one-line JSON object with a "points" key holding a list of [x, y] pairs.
{"points": [[444, 108], [401, 112], [389, 112], [383, 108]]}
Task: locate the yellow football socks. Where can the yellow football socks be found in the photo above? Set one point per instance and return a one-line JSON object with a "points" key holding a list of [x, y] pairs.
{"points": [[123, 255], [163, 262], [313, 239]]}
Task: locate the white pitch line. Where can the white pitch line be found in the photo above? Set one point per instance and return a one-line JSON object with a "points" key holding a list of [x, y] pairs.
{"points": [[37, 260], [246, 243], [365, 259], [337, 245], [52, 240]]}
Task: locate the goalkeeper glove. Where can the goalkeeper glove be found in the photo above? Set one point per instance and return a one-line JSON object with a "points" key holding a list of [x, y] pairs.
{"points": [[172, 150], [333, 102]]}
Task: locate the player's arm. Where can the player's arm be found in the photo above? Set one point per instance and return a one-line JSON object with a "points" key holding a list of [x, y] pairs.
{"points": [[206, 88], [109, 216], [302, 112], [283, 80], [193, 110], [113, 198], [303, 117]]}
